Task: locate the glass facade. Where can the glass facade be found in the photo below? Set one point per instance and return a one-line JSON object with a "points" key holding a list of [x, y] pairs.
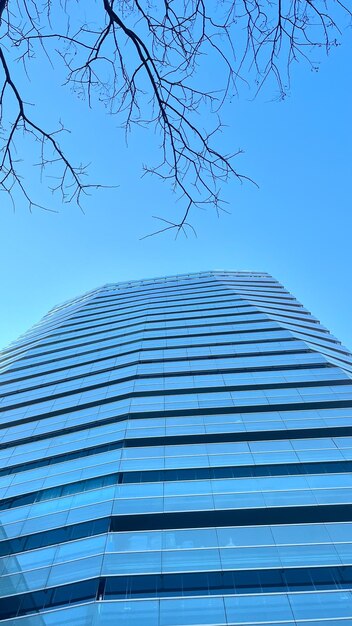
{"points": [[177, 452]]}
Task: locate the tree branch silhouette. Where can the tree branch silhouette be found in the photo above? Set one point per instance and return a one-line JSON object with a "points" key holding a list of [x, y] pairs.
{"points": [[146, 63]]}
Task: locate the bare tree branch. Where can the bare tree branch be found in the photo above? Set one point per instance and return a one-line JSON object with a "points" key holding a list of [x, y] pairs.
{"points": [[146, 63]]}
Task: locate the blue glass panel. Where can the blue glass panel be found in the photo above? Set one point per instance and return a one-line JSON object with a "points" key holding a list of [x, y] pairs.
{"points": [[265, 609], [192, 611]]}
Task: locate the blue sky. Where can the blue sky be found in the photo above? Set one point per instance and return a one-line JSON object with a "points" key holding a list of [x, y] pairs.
{"points": [[297, 225]]}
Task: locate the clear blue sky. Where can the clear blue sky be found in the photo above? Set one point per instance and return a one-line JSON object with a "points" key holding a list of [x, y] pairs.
{"points": [[297, 225]]}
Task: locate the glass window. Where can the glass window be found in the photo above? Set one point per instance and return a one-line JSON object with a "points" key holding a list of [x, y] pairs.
{"points": [[318, 554], [144, 612], [199, 538], [340, 532], [245, 536], [133, 541], [264, 608], [322, 605], [82, 548], [190, 560], [132, 563], [75, 570], [300, 533], [243, 558], [189, 611]]}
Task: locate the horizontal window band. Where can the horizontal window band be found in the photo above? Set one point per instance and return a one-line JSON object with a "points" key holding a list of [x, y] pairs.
{"points": [[24, 366], [143, 327], [180, 520], [207, 437], [60, 458], [320, 344], [329, 431], [128, 301], [194, 372], [238, 517], [205, 357], [80, 332], [59, 328], [191, 294], [175, 475], [246, 313], [162, 285], [141, 361], [285, 310], [272, 435], [329, 353], [55, 316], [63, 534], [178, 390], [53, 493], [188, 297], [225, 583], [220, 298], [200, 287], [96, 298], [141, 338], [228, 300], [195, 300], [168, 302], [240, 471], [230, 582], [163, 393], [96, 305], [150, 375], [269, 327], [284, 320], [98, 318], [143, 347], [338, 360], [36, 602], [188, 584], [197, 292], [144, 315], [70, 347], [317, 338], [216, 296], [189, 282]]}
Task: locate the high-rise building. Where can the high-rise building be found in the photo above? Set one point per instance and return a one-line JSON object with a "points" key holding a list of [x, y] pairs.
{"points": [[177, 452]]}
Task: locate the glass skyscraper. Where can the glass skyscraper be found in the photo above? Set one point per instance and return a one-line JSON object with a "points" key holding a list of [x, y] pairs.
{"points": [[177, 452]]}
